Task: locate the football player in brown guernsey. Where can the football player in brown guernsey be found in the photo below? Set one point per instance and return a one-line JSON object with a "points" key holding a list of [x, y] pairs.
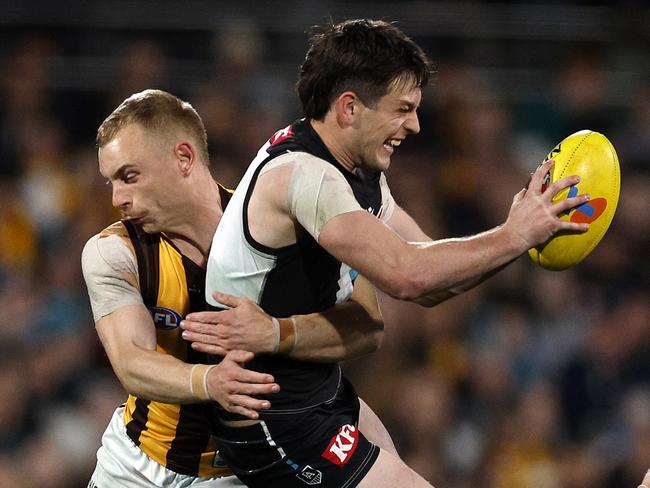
{"points": [[146, 272]]}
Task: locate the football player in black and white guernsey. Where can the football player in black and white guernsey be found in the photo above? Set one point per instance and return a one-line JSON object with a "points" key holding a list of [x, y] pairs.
{"points": [[312, 211]]}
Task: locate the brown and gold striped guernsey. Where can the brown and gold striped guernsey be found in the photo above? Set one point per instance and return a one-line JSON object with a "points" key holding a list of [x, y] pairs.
{"points": [[175, 436]]}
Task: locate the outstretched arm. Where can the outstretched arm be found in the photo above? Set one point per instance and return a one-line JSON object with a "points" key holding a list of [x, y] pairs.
{"points": [[345, 331], [431, 272]]}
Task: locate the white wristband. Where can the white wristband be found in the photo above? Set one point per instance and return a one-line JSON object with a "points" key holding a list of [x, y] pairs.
{"points": [[286, 335], [199, 381], [276, 331]]}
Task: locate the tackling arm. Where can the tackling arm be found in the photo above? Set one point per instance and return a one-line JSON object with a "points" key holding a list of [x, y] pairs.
{"points": [[128, 335], [345, 331], [129, 338]]}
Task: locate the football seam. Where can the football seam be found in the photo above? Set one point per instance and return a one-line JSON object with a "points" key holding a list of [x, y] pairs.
{"points": [[569, 159], [574, 152], [602, 230], [594, 241]]}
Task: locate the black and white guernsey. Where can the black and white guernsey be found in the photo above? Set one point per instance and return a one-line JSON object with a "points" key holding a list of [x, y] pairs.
{"points": [[301, 278]]}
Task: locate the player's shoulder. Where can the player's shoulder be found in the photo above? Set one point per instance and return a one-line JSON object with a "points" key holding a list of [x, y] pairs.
{"points": [[109, 236], [115, 229], [298, 157], [112, 245], [307, 157], [307, 165]]}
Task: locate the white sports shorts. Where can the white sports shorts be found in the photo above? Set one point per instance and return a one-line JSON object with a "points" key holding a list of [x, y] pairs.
{"points": [[121, 463]]}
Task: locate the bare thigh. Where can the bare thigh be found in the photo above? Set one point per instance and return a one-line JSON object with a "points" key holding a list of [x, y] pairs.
{"points": [[389, 472], [373, 429]]}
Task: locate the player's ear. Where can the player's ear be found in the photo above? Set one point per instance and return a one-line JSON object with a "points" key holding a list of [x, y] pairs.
{"points": [[347, 107], [185, 157]]}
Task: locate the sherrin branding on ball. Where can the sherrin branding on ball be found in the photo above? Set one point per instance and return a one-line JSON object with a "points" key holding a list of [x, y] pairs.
{"points": [[591, 156]]}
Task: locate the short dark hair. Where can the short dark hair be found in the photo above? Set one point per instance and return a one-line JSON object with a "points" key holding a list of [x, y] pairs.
{"points": [[364, 56], [157, 111]]}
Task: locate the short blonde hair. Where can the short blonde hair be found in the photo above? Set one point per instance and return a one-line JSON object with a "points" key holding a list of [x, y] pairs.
{"points": [[157, 111]]}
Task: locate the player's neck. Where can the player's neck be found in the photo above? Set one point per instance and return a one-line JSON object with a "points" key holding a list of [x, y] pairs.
{"points": [[333, 139], [195, 228]]}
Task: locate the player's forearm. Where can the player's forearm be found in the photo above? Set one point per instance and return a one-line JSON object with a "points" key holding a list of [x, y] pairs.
{"points": [[467, 273], [344, 332], [129, 339], [151, 375], [430, 271], [442, 269]]}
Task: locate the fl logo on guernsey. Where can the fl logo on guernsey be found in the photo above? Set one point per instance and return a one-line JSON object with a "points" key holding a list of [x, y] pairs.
{"points": [[165, 318]]}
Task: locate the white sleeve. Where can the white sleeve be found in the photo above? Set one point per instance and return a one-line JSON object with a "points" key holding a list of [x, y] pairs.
{"points": [[318, 192], [387, 200], [111, 273]]}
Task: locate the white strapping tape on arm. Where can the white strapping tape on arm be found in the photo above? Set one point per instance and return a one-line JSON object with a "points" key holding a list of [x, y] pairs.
{"points": [[317, 193]]}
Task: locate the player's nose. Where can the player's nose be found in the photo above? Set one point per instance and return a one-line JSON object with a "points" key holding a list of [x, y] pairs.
{"points": [[121, 198], [412, 123]]}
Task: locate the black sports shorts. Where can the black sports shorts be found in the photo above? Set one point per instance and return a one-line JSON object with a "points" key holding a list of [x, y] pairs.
{"points": [[320, 446]]}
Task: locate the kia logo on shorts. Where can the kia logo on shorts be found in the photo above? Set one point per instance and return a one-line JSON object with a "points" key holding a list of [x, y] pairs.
{"points": [[165, 318], [342, 446]]}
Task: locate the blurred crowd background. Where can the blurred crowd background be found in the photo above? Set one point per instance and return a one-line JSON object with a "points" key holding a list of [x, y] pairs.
{"points": [[534, 379]]}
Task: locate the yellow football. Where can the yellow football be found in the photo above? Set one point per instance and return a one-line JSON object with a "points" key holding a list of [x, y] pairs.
{"points": [[591, 156]]}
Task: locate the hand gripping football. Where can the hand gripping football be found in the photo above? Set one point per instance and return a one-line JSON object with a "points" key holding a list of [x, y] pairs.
{"points": [[591, 156]]}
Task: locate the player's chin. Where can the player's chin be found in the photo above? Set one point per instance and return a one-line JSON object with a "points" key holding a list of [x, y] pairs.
{"points": [[382, 161], [150, 227]]}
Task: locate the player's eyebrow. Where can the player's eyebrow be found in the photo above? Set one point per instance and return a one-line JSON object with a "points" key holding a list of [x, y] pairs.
{"points": [[120, 173], [410, 105]]}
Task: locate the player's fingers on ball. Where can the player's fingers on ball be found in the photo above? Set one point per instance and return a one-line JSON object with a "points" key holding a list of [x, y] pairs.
{"points": [[573, 226], [545, 167], [520, 195], [569, 203], [537, 178], [560, 185]]}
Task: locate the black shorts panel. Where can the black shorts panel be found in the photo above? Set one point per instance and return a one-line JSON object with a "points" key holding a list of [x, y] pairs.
{"points": [[320, 447]]}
